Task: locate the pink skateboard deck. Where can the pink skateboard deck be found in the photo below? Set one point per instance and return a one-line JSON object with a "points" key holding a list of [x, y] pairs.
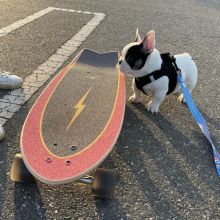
{"points": [[75, 122]]}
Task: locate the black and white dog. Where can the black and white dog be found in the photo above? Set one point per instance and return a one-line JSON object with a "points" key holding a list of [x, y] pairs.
{"points": [[152, 74]]}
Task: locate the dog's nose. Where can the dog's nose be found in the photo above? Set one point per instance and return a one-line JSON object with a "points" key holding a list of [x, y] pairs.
{"points": [[119, 62]]}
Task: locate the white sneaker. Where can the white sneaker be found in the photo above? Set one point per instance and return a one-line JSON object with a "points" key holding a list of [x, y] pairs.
{"points": [[2, 132], [9, 81]]}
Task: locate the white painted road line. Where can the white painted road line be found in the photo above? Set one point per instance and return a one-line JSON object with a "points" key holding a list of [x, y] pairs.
{"points": [[6, 30], [12, 102]]}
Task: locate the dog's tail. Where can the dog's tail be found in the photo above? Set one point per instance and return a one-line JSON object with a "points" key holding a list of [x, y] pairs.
{"points": [[187, 55]]}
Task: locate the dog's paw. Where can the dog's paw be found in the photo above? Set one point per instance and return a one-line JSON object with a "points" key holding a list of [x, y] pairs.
{"points": [[181, 99], [152, 108], [134, 99]]}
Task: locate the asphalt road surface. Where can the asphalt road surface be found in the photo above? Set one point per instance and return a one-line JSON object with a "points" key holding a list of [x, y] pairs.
{"points": [[164, 163]]}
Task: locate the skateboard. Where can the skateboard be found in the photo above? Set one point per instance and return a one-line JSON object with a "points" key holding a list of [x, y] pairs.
{"points": [[73, 125]]}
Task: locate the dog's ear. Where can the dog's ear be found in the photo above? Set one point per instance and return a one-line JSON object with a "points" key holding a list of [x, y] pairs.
{"points": [[138, 38], [149, 41]]}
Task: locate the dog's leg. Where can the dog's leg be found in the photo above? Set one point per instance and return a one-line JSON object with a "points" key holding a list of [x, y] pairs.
{"points": [[181, 98], [190, 84], [136, 98], [153, 105], [191, 75]]}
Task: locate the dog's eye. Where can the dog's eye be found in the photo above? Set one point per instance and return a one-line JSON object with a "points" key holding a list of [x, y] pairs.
{"points": [[138, 63]]}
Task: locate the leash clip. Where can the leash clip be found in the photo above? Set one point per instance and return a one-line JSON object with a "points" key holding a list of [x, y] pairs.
{"points": [[179, 73]]}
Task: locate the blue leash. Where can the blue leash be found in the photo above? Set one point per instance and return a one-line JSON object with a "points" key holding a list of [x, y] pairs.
{"points": [[199, 118]]}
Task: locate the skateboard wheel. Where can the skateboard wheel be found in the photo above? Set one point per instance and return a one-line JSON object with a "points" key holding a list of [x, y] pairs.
{"points": [[104, 183], [19, 172]]}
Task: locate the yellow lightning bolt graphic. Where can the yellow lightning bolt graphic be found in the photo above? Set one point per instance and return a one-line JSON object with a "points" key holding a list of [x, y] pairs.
{"points": [[79, 106]]}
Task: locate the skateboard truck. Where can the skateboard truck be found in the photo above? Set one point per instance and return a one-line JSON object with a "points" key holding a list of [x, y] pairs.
{"points": [[86, 180], [102, 183]]}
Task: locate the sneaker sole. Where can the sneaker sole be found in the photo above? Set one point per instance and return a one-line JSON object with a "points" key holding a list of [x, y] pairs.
{"points": [[2, 136], [11, 86]]}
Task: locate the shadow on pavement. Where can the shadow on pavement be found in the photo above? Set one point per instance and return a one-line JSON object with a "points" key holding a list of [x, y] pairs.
{"points": [[110, 209], [214, 122], [192, 145], [28, 202], [17, 200], [162, 169]]}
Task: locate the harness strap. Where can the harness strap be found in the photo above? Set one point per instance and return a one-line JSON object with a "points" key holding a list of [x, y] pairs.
{"points": [[168, 68]]}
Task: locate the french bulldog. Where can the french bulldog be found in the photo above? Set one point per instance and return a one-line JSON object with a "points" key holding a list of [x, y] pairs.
{"points": [[141, 58]]}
